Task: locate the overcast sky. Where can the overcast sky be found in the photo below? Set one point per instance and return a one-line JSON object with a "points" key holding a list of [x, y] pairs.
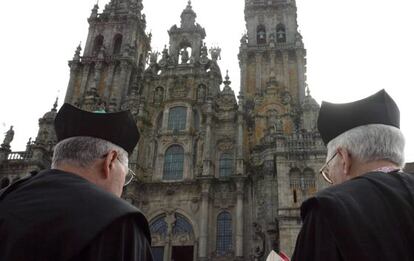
{"points": [[354, 48]]}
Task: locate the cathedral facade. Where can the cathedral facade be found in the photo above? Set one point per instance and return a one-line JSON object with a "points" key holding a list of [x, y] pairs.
{"points": [[220, 177]]}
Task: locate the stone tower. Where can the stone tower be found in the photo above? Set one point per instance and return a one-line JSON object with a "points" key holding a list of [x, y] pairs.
{"points": [[113, 60], [281, 142]]}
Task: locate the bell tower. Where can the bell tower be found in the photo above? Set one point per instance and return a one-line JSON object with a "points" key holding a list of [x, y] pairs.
{"points": [[113, 59], [272, 62], [272, 51]]}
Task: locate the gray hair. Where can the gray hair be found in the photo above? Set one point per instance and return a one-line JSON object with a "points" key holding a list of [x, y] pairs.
{"points": [[83, 151], [371, 142]]}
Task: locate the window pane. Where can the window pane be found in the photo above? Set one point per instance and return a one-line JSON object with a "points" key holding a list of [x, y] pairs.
{"points": [[159, 226], [224, 233], [174, 163], [177, 118], [182, 226], [226, 165]]}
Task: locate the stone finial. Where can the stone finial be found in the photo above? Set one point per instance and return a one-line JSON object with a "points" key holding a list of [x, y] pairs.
{"points": [[94, 11], [55, 104], [227, 81], [307, 91], [76, 57]]}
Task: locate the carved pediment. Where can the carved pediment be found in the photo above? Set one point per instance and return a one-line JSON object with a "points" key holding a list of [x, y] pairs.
{"points": [[225, 144]]}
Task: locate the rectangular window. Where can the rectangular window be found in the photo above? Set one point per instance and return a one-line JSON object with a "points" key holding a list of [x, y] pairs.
{"points": [[177, 118]]}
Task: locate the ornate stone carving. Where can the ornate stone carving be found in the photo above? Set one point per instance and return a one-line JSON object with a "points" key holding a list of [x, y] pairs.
{"points": [[225, 144], [258, 246]]}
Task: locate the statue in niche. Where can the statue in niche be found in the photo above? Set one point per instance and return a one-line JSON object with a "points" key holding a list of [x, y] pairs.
{"points": [[184, 56], [271, 119], [279, 126], [201, 94], [281, 36], [159, 95], [8, 137], [203, 54], [258, 242]]}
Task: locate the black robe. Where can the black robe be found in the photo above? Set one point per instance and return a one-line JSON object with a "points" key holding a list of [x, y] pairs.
{"points": [[370, 217], [60, 216]]}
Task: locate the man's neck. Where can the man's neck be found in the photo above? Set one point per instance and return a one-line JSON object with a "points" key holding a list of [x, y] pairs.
{"points": [[362, 168]]}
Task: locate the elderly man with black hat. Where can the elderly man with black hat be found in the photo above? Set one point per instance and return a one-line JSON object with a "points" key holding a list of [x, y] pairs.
{"points": [[73, 211], [369, 212]]}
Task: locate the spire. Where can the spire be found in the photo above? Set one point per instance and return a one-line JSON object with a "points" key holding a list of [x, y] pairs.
{"points": [[227, 81], [55, 104]]}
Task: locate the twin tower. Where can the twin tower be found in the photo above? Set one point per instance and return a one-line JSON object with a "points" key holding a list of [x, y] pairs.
{"points": [[220, 177]]}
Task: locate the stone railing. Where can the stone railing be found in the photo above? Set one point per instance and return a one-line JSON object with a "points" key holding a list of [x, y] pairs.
{"points": [[19, 156]]}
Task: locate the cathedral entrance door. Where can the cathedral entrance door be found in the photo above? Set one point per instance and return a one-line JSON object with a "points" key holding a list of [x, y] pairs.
{"points": [[182, 253]]}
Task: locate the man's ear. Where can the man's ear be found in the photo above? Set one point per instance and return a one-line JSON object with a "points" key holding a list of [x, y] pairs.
{"points": [[346, 161], [108, 163]]}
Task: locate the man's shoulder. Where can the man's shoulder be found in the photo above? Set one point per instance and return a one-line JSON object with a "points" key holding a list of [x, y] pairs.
{"points": [[361, 190]]}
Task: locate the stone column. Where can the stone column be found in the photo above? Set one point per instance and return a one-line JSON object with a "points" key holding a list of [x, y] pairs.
{"points": [[243, 73], [84, 80], [239, 219], [74, 69], [286, 78], [300, 56], [205, 194], [207, 141], [258, 73], [98, 72], [108, 82], [239, 158]]}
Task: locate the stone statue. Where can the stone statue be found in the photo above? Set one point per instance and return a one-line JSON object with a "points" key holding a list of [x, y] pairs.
{"points": [[159, 95], [279, 126], [215, 53], [258, 242], [243, 40], [184, 56], [153, 58], [8, 137]]}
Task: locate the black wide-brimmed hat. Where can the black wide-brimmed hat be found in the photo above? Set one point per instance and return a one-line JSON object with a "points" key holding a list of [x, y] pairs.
{"points": [[118, 128], [335, 119]]}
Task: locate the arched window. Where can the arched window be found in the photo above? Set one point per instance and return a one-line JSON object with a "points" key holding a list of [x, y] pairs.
{"points": [[97, 44], [261, 34], [224, 242], [185, 55], [117, 44], [281, 33], [181, 225], [174, 163], [308, 179], [177, 118], [159, 226], [226, 165], [294, 177]]}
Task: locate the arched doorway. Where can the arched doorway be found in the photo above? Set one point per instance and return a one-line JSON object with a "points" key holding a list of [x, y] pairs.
{"points": [[172, 238]]}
